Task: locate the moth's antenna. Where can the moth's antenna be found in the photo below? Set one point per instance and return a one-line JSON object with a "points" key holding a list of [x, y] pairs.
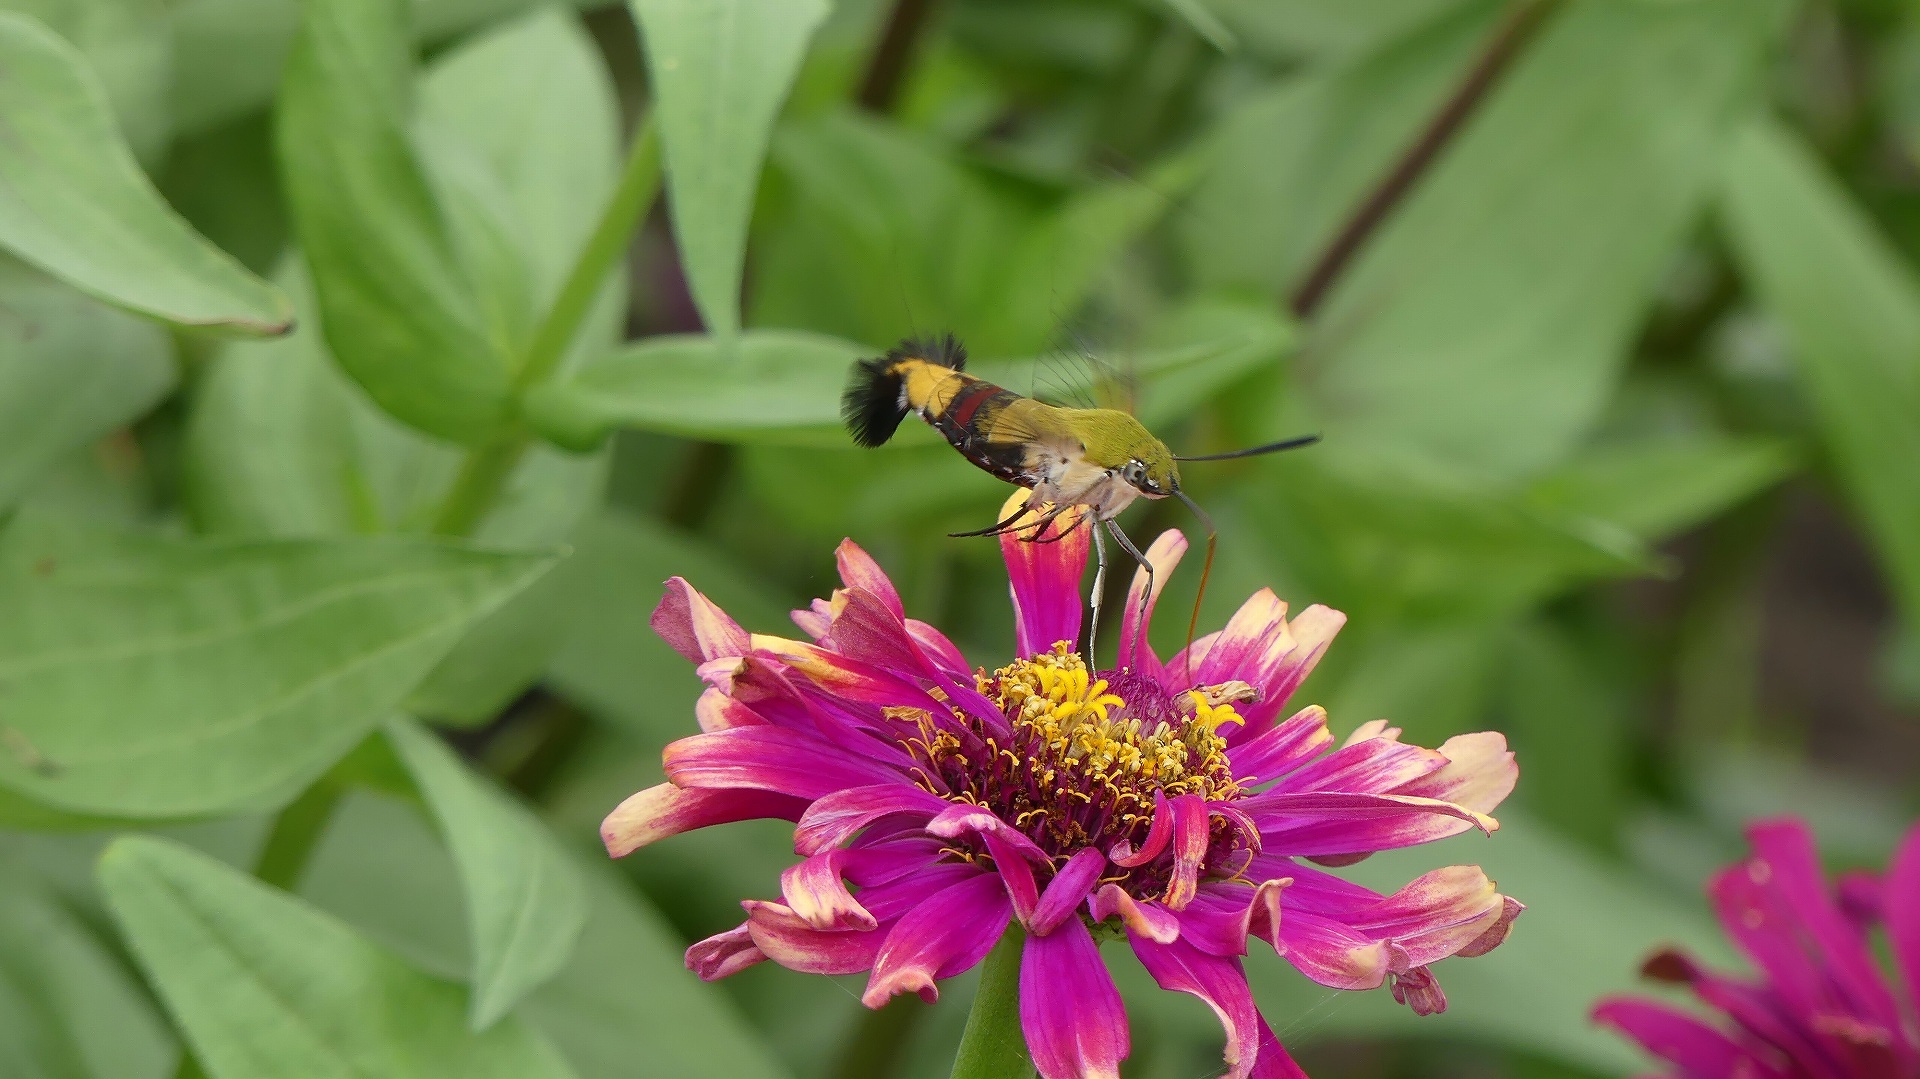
{"points": [[1251, 451], [1206, 571]]}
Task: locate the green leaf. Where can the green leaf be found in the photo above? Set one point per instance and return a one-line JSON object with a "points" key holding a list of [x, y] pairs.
{"points": [[771, 385], [71, 370], [1288, 164], [624, 997], [525, 902], [1851, 308], [74, 203], [265, 986], [1204, 22], [155, 677], [611, 660], [129, 50], [68, 1008], [892, 234], [719, 70], [1484, 326], [1657, 487], [280, 444], [404, 308]]}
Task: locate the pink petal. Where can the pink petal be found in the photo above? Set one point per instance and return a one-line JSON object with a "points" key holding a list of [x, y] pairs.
{"points": [[1219, 983], [771, 759], [962, 818], [815, 892], [1071, 1013], [1233, 650], [788, 940], [948, 934], [1216, 921], [1282, 670], [891, 859], [724, 953], [1067, 889], [695, 626], [1438, 914], [1159, 834], [1786, 848], [720, 711], [1136, 652], [1191, 824], [1700, 1051], [938, 647], [1374, 766], [866, 631], [1274, 1061], [1754, 1008], [1274, 751], [664, 810], [1902, 904], [1417, 989], [1332, 953], [1332, 824], [837, 817], [1045, 580], [842, 676], [859, 570], [1479, 774], [1150, 920]]}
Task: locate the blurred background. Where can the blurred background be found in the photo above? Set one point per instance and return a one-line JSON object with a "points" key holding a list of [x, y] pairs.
{"points": [[1604, 308]]}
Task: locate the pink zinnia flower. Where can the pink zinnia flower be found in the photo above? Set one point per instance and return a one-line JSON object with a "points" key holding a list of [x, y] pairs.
{"points": [[1169, 803], [1820, 1007]]}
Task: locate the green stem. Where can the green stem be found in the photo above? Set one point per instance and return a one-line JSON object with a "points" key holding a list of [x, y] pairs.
{"points": [[992, 1046], [639, 183], [484, 473], [296, 831]]}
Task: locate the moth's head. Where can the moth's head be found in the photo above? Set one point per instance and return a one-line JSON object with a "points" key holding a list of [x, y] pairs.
{"points": [[1116, 441]]}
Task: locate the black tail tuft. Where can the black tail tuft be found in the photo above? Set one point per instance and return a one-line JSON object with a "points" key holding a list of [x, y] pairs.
{"points": [[872, 407]]}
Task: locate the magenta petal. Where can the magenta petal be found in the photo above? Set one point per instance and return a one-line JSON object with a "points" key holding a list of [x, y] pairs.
{"points": [[1479, 774], [1270, 754], [1700, 1051], [1369, 766], [1233, 651], [1191, 823], [1333, 953], [724, 953], [1274, 1062], [1136, 652], [1220, 983], [717, 710], [1439, 914], [1071, 1013], [788, 940], [814, 890], [837, 817], [1150, 920], [1159, 834], [664, 810], [1901, 901], [859, 570], [1045, 581], [948, 934], [695, 626], [771, 759], [938, 647], [1785, 847], [960, 819], [1066, 890]]}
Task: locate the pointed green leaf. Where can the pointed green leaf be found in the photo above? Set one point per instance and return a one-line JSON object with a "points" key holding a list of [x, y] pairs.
{"points": [[265, 986], [623, 1006], [1851, 308], [1484, 326], [525, 902], [74, 202], [147, 676], [400, 267], [71, 370], [69, 1009], [719, 71]]}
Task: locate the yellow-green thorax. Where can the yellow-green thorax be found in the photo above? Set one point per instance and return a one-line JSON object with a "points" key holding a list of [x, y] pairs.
{"points": [[1113, 439]]}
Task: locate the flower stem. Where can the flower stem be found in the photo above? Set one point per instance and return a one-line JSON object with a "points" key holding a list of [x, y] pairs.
{"points": [[992, 1046], [484, 473]]}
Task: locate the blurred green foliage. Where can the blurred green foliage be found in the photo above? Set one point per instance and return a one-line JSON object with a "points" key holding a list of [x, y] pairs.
{"points": [[1605, 308]]}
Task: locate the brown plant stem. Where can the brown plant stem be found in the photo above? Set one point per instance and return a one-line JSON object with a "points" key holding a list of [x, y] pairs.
{"points": [[1514, 31], [887, 71]]}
